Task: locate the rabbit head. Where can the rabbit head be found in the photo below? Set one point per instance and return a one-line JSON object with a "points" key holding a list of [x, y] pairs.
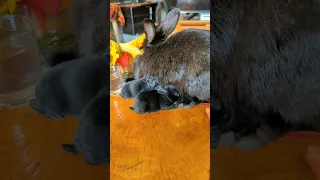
{"points": [[183, 60]]}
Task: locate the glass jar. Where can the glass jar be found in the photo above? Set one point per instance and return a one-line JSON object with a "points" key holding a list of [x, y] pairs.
{"points": [[20, 62], [116, 80]]}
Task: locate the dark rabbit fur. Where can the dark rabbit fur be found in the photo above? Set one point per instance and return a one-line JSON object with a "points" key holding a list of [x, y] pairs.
{"points": [[90, 28], [89, 20], [132, 88], [183, 60], [59, 55], [66, 88], [93, 135], [152, 101], [266, 64]]}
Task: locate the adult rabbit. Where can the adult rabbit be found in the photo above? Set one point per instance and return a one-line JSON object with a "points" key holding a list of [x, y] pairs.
{"points": [[266, 63], [183, 60], [89, 25]]}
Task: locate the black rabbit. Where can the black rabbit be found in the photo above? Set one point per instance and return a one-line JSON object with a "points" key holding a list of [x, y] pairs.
{"points": [[93, 134], [165, 98], [266, 64], [66, 88], [132, 88], [183, 60]]}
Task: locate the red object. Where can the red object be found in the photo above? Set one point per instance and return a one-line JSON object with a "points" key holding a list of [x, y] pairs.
{"points": [[39, 8], [123, 60], [47, 6]]}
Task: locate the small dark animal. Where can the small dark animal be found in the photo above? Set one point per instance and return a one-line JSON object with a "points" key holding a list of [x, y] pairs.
{"points": [[132, 88], [59, 55], [93, 135], [66, 88], [183, 60], [152, 101], [266, 64]]}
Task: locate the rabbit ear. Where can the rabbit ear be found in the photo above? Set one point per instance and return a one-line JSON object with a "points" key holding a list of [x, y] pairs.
{"points": [[149, 29], [170, 22]]}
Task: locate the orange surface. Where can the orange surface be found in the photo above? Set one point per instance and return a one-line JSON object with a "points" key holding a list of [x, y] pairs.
{"points": [[30, 149], [284, 159], [182, 25], [170, 144]]}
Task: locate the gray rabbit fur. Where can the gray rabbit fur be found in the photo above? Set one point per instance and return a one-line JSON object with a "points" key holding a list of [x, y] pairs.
{"points": [[183, 60], [155, 100], [66, 88], [93, 134], [266, 64], [132, 88]]}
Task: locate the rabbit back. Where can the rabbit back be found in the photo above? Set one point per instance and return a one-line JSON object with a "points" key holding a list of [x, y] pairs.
{"points": [[183, 60]]}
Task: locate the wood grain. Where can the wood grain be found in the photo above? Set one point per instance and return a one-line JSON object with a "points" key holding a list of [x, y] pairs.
{"points": [[163, 145]]}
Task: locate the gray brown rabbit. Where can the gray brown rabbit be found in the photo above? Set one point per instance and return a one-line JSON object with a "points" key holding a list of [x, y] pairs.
{"points": [[183, 60], [266, 64]]}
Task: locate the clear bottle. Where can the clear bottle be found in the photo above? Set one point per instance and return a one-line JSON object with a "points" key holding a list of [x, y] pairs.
{"points": [[20, 62], [116, 80]]}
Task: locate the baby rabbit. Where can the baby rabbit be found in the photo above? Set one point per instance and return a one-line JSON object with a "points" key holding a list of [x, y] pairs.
{"points": [[93, 135], [132, 88], [266, 63], [152, 101], [183, 60], [66, 88]]}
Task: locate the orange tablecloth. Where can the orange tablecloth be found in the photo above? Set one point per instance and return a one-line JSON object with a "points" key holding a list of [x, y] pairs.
{"points": [[163, 145]]}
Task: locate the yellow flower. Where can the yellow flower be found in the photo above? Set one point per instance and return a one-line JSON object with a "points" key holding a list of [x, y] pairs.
{"points": [[9, 6], [114, 52], [138, 42]]}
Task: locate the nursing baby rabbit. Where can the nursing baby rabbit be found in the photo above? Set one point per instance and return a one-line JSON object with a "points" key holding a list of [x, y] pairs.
{"points": [[150, 96]]}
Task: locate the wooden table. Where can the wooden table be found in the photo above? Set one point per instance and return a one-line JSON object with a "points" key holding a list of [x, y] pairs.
{"points": [[163, 145], [283, 159], [30, 149]]}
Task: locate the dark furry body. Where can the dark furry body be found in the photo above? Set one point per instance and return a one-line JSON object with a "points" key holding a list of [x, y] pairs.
{"points": [[265, 62], [132, 88], [59, 55], [151, 101], [189, 72], [66, 88], [183, 60], [88, 23], [93, 135]]}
